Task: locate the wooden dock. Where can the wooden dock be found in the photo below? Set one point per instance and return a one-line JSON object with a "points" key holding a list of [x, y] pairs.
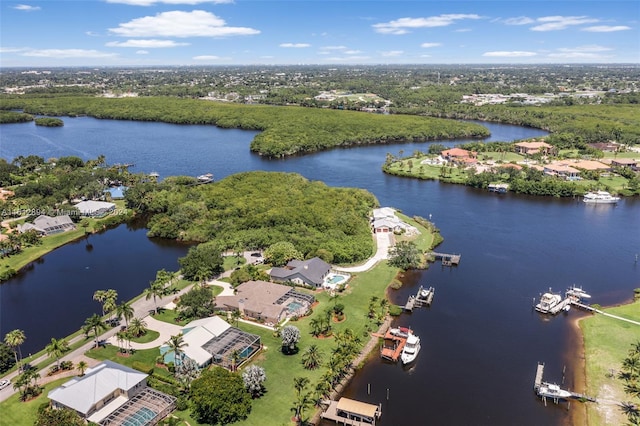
{"points": [[446, 258], [392, 345], [350, 412], [538, 381], [418, 300], [539, 374]]}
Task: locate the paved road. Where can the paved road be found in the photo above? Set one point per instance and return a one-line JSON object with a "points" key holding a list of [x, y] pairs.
{"points": [[384, 241]]}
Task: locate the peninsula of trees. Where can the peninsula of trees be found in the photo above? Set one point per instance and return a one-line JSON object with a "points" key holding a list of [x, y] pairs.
{"points": [[259, 209], [285, 130]]}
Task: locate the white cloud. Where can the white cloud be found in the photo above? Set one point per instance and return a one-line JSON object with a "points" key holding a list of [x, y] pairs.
{"points": [[69, 53], [520, 20], [606, 28], [347, 59], [463, 30], [333, 47], [592, 51], [554, 23], [509, 54], [427, 45], [352, 52], [295, 45], [11, 49], [399, 26], [153, 2], [207, 58], [26, 7], [391, 53], [91, 34], [197, 23], [147, 44], [142, 52]]}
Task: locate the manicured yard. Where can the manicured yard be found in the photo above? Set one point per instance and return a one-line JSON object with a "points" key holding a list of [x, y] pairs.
{"points": [[13, 412], [607, 342], [147, 337], [142, 360]]}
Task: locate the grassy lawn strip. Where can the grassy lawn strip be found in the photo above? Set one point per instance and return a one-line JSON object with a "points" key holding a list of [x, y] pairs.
{"points": [[17, 413], [147, 337], [142, 360], [607, 342]]}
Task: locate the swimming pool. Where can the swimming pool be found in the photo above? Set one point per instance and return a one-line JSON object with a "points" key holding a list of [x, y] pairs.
{"points": [[141, 418], [294, 306], [332, 280]]}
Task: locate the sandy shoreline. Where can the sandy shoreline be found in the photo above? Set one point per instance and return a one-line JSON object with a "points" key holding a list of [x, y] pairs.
{"points": [[578, 414]]}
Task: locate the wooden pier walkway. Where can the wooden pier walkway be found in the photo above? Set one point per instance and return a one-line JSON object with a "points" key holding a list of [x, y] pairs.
{"points": [[446, 258], [539, 374], [538, 382]]}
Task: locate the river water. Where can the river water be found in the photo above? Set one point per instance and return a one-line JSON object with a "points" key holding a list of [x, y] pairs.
{"points": [[481, 340]]}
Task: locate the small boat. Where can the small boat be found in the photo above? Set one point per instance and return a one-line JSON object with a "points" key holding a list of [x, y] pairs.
{"points": [[600, 197], [206, 178], [400, 331], [550, 390], [578, 292], [548, 301], [154, 174], [411, 349]]}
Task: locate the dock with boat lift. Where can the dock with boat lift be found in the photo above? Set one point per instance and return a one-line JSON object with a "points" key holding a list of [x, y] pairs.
{"points": [[446, 258], [350, 412], [424, 297], [539, 382]]}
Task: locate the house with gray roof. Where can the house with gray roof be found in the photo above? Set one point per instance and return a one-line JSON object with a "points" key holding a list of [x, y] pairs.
{"points": [[111, 393], [95, 208], [310, 273], [47, 225]]}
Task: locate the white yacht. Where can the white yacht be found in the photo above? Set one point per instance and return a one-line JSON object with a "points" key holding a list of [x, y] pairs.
{"points": [[578, 292], [550, 390], [411, 349], [548, 302], [600, 197]]}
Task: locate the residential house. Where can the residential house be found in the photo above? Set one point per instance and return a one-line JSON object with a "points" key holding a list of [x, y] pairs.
{"points": [[311, 272], [95, 208], [532, 148], [591, 165], [111, 393], [266, 302], [47, 225], [561, 170], [213, 340], [384, 220], [631, 163], [460, 156]]}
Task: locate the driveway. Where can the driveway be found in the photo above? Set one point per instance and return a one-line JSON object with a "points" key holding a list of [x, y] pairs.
{"points": [[384, 241], [165, 329]]}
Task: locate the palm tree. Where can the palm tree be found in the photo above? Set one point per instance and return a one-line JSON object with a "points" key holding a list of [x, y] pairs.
{"points": [[124, 310], [176, 343], [299, 383], [56, 348], [155, 290], [137, 327], [82, 366], [312, 357], [302, 399], [94, 323], [110, 301], [316, 327], [631, 410], [235, 357], [14, 339], [120, 339], [100, 296], [235, 315]]}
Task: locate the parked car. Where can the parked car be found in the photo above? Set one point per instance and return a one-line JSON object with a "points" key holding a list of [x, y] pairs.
{"points": [[4, 383]]}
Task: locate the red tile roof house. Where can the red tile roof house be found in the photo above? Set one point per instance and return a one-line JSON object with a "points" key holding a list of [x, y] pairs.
{"points": [[531, 148], [459, 156], [626, 162], [562, 170]]}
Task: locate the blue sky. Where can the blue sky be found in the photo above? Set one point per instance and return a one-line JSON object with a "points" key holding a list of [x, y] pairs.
{"points": [[224, 32]]}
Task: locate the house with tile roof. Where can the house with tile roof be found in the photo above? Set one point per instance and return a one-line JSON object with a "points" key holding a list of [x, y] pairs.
{"points": [[47, 225]]}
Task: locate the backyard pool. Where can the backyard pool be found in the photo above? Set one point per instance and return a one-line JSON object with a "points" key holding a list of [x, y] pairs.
{"points": [[332, 280], [294, 306], [141, 418]]}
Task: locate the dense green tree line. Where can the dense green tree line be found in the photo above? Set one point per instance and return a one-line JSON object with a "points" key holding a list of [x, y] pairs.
{"points": [[286, 130], [258, 209], [591, 123], [49, 122], [14, 117]]}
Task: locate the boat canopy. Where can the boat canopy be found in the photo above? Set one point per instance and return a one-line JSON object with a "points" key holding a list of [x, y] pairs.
{"points": [[357, 407]]}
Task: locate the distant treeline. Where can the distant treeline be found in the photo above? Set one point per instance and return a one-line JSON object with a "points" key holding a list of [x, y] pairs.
{"points": [[7, 117], [592, 123], [285, 130], [257, 209]]}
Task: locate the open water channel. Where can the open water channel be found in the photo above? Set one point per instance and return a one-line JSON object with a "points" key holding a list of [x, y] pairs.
{"points": [[481, 339]]}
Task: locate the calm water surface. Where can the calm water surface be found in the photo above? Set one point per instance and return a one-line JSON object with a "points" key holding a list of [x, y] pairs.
{"points": [[480, 339]]}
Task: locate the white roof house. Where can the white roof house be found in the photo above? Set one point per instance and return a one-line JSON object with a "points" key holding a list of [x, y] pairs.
{"points": [[196, 334], [94, 208], [99, 386], [47, 225]]}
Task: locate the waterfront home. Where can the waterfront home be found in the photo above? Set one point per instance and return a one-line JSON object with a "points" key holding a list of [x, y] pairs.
{"points": [[384, 220], [266, 302], [111, 393], [630, 163], [213, 340], [47, 225], [310, 273], [95, 208], [459, 156], [532, 148], [591, 165], [561, 170]]}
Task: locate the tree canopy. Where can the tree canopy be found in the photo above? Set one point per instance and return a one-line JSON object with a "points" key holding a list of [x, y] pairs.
{"points": [[258, 209], [219, 397]]}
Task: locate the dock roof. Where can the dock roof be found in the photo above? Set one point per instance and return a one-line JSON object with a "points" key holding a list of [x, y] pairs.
{"points": [[357, 407]]}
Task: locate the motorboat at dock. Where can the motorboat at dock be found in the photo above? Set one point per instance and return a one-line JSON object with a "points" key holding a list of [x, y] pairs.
{"points": [[600, 197], [411, 349]]}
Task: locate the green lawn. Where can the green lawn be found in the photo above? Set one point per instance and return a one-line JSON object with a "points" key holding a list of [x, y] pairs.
{"points": [[607, 341], [17, 413], [505, 157], [147, 337], [142, 360]]}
